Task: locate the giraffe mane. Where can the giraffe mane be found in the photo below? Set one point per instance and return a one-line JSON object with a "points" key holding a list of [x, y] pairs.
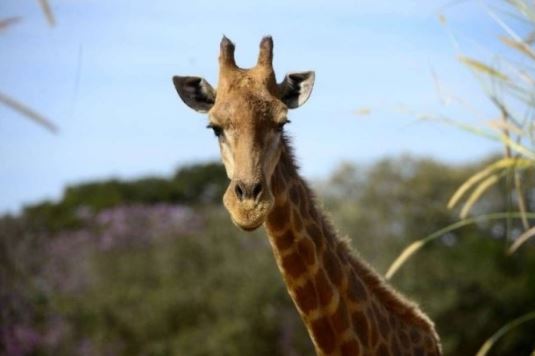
{"points": [[391, 299]]}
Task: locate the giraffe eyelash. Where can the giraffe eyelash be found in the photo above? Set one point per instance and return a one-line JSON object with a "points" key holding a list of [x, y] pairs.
{"points": [[218, 130], [280, 126]]}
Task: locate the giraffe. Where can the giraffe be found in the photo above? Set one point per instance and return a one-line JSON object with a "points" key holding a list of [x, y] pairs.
{"points": [[345, 305]]}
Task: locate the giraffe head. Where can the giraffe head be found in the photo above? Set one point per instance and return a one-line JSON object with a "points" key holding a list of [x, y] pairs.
{"points": [[247, 112]]}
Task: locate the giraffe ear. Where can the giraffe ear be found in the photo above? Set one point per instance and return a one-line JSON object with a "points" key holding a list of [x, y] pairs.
{"points": [[296, 88], [195, 92]]}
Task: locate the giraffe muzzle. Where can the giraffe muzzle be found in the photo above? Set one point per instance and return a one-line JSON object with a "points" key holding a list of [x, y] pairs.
{"points": [[248, 203]]}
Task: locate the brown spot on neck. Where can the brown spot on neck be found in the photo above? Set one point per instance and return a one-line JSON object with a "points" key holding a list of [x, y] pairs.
{"points": [[324, 335], [278, 218], [293, 266], [345, 305]]}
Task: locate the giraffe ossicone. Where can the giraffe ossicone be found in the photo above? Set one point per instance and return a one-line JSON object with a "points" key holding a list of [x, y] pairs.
{"points": [[345, 305]]}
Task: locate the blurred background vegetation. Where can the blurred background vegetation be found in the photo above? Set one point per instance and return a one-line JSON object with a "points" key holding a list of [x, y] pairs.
{"points": [[142, 267], [153, 266]]}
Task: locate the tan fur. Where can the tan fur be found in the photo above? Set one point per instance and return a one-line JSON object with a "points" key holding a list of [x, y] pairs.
{"points": [[346, 306]]}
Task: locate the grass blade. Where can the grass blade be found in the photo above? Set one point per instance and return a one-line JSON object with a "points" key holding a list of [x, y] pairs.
{"points": [[521, 200], [525, 8], [481, 67], [515, 146], [405, 255], [520, 8], [485, 172], [410, 250], [501, 125], [45, 6], [520, 46], [456, 123], [476, 194], [487, 345], [6, 23], [29, 113], [521, 239], [530, 38], [363, 111]]}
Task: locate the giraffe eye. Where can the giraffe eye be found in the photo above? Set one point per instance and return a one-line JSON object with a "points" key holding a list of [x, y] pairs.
{"points": [[218, 130], [280, 126]]}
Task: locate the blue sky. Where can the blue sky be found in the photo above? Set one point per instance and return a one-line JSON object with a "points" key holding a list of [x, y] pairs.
{"points": [[103, 75]]}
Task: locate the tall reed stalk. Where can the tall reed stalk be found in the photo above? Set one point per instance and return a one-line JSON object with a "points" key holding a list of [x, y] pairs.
{"points": [[509, 84]]}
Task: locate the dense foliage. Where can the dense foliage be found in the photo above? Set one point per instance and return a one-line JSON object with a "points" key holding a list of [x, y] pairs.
{"points": [[204, 183], [144, 271]]}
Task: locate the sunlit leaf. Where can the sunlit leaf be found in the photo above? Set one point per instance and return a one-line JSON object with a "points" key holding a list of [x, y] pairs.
{"points": [[520, 240]]}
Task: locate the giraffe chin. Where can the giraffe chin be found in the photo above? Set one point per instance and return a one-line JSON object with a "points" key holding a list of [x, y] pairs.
{"points": [[247, 220], [247, 227]]}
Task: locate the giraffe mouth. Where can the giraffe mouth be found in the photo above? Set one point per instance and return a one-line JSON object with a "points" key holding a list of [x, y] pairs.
{"points": [[249, 227]]}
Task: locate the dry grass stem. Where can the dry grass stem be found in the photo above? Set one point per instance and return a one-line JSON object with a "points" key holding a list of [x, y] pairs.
{"points": [[520, 240], [500, 125], [487, 345], [8, 22], [417, 245], [477, 193], [504, 163], [520, 46], [45, 6], [483, 68], [28, 112]]}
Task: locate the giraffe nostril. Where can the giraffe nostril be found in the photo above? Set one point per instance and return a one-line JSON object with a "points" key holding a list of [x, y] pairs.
{"points": [[246, 191], [239, 190], [257, 190]]}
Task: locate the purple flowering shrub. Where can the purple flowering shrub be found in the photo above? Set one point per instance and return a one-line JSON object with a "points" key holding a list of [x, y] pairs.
{"points": [[38, 267]]}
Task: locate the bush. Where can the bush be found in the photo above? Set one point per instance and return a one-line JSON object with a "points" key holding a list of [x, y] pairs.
{"points": [[195, 184]]}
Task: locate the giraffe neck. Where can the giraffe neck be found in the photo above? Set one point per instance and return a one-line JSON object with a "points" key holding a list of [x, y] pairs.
{"points": [[346, 307]]}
